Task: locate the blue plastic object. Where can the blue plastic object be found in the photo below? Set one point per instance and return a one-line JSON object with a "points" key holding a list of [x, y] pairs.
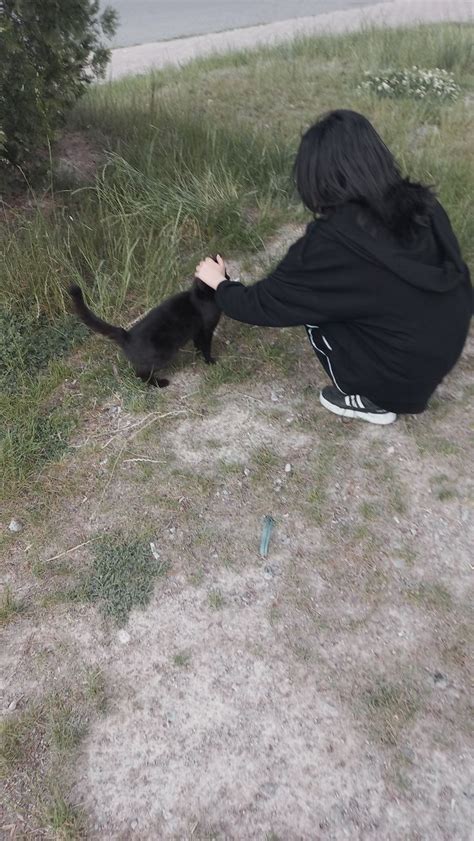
{"points": [[268, 525]]}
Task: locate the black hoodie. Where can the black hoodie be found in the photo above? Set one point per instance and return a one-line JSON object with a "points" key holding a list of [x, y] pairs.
{"points": [[390, 319]]}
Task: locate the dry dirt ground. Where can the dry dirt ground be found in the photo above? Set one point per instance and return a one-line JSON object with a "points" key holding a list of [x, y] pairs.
{"points": [[320, 693]]}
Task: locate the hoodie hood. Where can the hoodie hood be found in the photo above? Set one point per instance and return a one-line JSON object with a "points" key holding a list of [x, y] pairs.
{"points": [[432, 262]]}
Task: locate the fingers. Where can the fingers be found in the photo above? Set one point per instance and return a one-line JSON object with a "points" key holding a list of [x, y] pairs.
{"points": [[202, 265], [209, 261]]}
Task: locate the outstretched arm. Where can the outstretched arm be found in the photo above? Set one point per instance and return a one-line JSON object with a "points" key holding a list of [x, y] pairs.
{"points": [[267, 303]]}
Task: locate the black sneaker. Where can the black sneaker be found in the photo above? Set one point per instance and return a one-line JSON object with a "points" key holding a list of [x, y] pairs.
{"points": [[354, 406]]}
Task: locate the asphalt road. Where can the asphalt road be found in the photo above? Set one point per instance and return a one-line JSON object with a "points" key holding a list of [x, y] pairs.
{"points": [[142, 21]]}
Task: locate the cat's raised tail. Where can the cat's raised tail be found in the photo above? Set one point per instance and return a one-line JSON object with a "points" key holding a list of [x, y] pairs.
{"points": [[118, 334]]}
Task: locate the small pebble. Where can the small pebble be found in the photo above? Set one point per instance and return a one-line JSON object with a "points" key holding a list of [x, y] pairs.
{"points": [[274, 397], [15, 525], [123, 637], [12, 705], [154, 551], [287, 468], [246, 471], [268, 573], [391, 451], [269, 789]]}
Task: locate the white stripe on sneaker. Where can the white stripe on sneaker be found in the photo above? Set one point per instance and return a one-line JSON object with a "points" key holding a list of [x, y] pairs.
{"points": [[359, 401]]}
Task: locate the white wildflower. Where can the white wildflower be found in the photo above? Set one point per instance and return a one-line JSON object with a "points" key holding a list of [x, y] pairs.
{"points": [[415, 82]]}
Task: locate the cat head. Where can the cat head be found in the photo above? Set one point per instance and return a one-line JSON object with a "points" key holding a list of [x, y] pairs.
{"points": [[202, 289]]}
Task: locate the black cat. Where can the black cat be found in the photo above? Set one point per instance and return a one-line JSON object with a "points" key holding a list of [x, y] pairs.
{"points": [[152, 342]]}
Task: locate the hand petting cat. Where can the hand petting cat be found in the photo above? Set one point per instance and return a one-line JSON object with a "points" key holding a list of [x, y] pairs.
{"points": [[212, 271]]}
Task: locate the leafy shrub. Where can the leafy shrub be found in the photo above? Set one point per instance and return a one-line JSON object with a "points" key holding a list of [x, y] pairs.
{"points": [[49, 51], [414, 83]]}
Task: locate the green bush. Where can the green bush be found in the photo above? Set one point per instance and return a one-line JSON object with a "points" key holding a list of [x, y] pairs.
{"points": [[49, 51]]}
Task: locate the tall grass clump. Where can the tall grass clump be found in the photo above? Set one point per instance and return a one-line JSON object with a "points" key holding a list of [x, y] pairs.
{"points": [[160, 200]]}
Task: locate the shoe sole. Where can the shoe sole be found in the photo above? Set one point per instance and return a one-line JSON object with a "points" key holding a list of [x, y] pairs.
{"points": [[370, 417]]}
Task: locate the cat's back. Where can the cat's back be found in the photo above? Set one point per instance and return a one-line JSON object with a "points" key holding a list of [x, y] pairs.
{"points": [[176, 309]]}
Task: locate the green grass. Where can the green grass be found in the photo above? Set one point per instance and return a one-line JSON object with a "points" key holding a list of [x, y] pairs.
{"points": [[197, 577], [216, 600], [431, 596], [95, 689], [121, 577], [264, 465], [9, 607], [430, 443], [317, 498], [370, 510], [29, 343], [248, 353], [389, 708], [44, 570], [33, 429], [63, 818], [38, 746], [182, 659], [196, 160], [16, 734], [58, 723], [232, 368], [441, 487], [66, 723], [444, 494]]}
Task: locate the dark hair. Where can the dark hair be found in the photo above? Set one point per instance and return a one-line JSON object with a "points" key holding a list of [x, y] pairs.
{"points": [[342, 159]]}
